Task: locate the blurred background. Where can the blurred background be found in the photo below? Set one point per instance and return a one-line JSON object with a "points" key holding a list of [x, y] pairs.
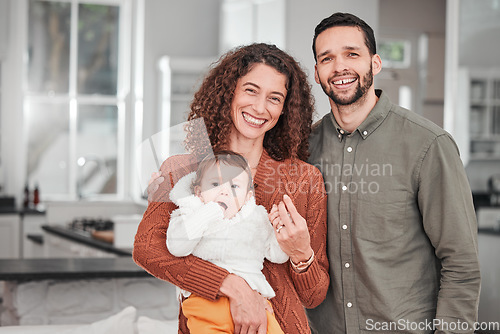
{"points": [[84, 83]]}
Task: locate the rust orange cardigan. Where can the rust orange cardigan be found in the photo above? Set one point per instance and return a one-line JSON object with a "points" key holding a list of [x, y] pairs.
{"points": [[294, 291]]}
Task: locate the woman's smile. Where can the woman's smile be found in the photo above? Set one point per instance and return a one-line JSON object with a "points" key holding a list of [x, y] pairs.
{"points": [[253, 120]]}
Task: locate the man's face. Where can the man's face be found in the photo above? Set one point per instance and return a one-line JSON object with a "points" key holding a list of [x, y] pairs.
{"points": [[344, 67], [227, 186]]}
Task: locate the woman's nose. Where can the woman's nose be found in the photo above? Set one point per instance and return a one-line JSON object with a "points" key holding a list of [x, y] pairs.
{"points": [[259, 104]]}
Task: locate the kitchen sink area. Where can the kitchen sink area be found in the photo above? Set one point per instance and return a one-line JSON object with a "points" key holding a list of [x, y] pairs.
{"points": [[78, 251], [106, 226]]}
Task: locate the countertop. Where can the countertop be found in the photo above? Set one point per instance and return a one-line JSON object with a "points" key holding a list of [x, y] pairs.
{"points": [[86, 239], [75, 268], [489, 231]]}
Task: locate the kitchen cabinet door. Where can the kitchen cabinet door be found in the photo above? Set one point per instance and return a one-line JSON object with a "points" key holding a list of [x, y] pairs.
{"points": [[32, 236], [9, 236]]}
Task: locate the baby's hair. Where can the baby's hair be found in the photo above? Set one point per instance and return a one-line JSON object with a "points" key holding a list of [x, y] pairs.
{"points": [[226, 157]]}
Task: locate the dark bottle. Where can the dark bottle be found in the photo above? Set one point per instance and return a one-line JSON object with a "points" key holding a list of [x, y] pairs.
{"points": [[26, 200], [36, 196]]}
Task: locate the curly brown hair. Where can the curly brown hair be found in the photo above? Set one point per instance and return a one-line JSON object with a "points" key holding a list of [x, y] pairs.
{"points": [[289, 137]]}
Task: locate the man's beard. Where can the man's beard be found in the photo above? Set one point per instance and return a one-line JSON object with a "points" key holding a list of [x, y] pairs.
{"points": [[359, 93]]}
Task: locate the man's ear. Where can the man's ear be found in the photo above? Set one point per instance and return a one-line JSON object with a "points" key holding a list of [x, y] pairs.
{"points": [[376, 64], [316, 76]]}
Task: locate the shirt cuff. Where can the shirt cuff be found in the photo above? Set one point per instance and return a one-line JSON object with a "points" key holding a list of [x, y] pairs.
{"points": [[307, 279]]}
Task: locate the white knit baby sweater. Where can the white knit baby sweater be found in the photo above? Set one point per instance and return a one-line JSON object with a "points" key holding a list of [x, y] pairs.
{"points": [[238, 245]]}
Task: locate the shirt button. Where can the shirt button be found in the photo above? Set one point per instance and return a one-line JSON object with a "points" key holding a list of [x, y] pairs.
{"points": [[347, 265], [344, 227], [349, 304], [365, 133], [349, 149], [344, 188], [341, 131]]}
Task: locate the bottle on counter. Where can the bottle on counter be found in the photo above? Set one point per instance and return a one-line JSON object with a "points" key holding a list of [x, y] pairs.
{"points": [[36, 196], [26, 200]]}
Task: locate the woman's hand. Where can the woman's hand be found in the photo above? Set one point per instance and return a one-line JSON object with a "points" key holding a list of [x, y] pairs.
{"points": [[248, 307], [291, 230], [153, 184]]}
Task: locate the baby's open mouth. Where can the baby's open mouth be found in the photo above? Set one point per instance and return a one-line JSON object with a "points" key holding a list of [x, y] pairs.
{"points": [[223, 205]]}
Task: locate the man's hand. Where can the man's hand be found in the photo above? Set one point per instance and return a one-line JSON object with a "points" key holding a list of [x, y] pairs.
{"points": [[248, 307]]}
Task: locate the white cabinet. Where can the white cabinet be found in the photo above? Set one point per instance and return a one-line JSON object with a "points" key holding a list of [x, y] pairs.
{"points": [[32, 235], [9, 236], [484, 115]]}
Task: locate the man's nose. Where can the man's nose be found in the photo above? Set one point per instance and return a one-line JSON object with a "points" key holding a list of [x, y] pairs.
{"points": [[340, 66]]}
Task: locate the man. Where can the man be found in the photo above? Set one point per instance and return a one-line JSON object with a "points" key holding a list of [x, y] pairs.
{"points": [[402, 236]]}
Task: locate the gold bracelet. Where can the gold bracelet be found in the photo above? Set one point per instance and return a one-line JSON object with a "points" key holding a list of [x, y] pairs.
{"points": [[303, 265]]}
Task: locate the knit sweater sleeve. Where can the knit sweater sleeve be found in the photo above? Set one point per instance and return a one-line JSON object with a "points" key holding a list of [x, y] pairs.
{"points": [[150, 250], [312, 284]]}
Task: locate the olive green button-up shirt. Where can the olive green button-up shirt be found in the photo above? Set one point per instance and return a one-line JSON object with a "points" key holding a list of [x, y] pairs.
{"points": [[402, 231]]}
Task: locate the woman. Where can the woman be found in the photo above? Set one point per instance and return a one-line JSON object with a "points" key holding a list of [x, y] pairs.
{"points": [[256, 101]]}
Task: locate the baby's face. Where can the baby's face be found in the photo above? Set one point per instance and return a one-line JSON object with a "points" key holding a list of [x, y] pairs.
{"points": [[230, 193]]}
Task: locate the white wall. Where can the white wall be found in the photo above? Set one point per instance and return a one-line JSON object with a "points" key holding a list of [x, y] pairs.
{"points": [[404, 19], [188, 28], [479, 34], [11, 108]]}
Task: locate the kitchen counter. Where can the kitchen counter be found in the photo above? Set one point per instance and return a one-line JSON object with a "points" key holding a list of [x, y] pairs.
{"points": [[86, 239], [75, 268], [489, 231]]}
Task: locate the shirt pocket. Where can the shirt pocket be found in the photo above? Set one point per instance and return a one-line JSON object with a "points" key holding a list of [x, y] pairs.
{"points": [[381, 217]]}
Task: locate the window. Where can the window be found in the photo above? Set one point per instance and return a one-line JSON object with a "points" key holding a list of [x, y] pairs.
{"points": [[394, 53], [75, 97]]}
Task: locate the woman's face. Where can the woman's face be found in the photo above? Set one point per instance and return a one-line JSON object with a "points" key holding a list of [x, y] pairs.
{"points": [[258, 100]]}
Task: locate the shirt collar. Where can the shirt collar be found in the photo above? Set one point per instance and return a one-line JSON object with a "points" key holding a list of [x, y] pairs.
{"points": [[374, 119]]}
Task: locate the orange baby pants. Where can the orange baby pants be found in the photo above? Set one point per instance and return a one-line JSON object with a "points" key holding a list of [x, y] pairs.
{"points": [[207, 317]]}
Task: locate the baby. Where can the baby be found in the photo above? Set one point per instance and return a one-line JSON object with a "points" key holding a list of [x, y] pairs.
{"points": [[219, 221]]}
